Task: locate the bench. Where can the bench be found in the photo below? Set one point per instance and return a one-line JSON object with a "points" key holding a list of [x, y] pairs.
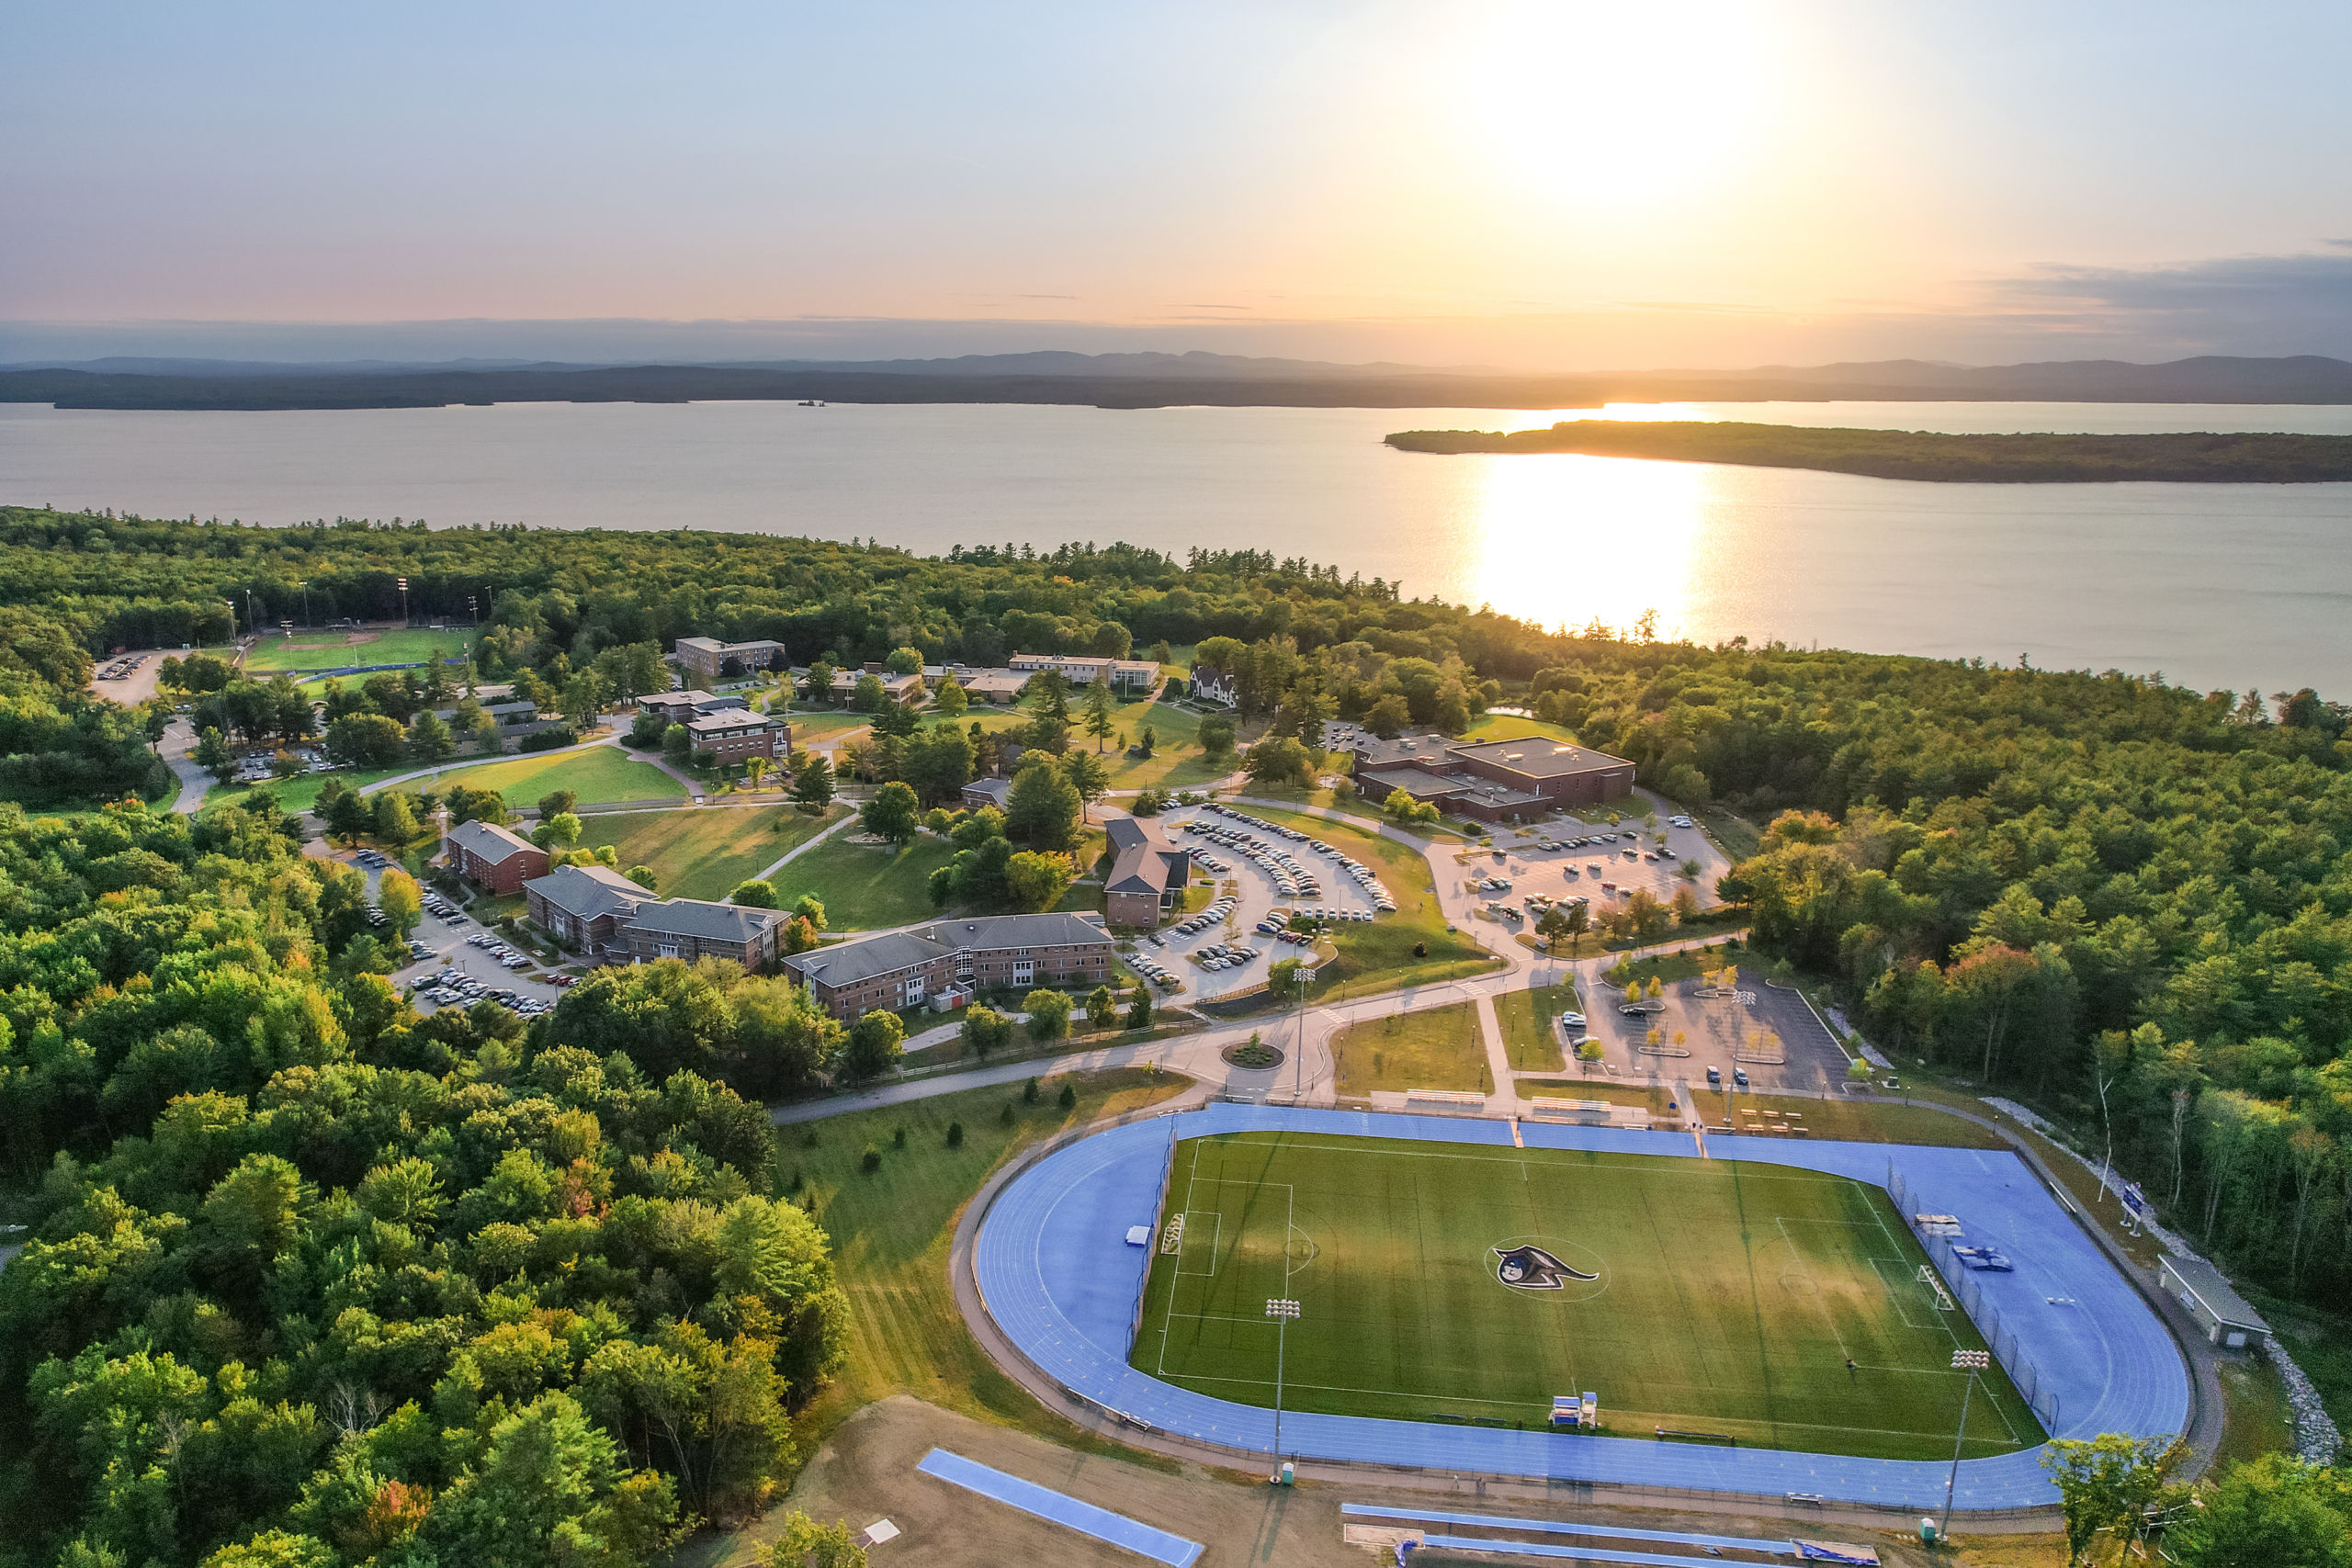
{"points": [[1444, 1096]]}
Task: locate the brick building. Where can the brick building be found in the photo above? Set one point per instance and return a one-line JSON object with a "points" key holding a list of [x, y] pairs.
{"points": [[732, 737], [495, 859], [710, 659], [1493, 781], [584, 907], [1148, 873], [904, 969], [692, 929]]}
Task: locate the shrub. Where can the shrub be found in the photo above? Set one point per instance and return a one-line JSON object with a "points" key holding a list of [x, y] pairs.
{"points": [[871, 1160], [548, 739], [1067, 1099], [956, 1133], [1006, 1118], [899, 1137], [1029, 1092]]}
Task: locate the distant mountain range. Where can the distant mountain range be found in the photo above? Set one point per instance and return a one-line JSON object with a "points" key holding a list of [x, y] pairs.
{"points": [[1150, 380]]}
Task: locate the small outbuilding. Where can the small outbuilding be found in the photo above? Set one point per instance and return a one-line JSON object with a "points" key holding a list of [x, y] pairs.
{"points": [[2218, 1310]]}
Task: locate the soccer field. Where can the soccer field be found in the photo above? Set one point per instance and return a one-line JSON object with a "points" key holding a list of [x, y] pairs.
{"points": [[1718, 1297]]}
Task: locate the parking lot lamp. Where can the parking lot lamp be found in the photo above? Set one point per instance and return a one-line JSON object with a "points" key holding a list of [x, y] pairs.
{"points": [[1972, 1362]]}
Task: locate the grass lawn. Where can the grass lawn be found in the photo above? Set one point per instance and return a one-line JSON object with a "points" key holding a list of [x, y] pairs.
{"points": [[824, 723], [299, 794], [1655, 1099], [600, 775], [1859, 1119], [413, 646], [1378, 955], [866, 885], [1435, 1048], [1391, 1250], [1176, 760], [1686, 965], [891, 1230], [1526, 1016], [703, 853]]}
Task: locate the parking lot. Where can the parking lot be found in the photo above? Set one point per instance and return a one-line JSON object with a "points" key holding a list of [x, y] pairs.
{"points": [[1259, 868], [1734, 1035], [449, 947], [1567, 858]]}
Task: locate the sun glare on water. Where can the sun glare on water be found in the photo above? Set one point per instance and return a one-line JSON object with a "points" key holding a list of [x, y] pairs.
{"points": [[1563, 539]]}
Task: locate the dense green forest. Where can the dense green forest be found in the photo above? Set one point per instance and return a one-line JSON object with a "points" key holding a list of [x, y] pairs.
{"points": [[2189, 458], [312, 1279]]}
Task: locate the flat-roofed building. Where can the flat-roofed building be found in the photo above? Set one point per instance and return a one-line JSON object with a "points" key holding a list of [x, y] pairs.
{"points": [[1148, 873], [903, 969], [680, 707], [897, 688], [715, 660], [998, 686], [733, 736], [1085, 668], [1493, 781], [495, 859]]}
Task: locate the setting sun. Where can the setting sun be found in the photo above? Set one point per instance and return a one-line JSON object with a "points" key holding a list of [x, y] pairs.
{"points": [[1595, 106]]}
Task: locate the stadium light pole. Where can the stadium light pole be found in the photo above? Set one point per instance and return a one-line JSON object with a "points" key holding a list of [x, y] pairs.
{"points": [[1972, 1362], [1282, 1310]]}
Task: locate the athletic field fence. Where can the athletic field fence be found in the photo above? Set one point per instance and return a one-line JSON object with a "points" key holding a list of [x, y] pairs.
{"points": [[2041, 1399]]}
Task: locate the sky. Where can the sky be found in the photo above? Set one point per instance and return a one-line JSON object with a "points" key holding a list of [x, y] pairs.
{"points": [[1540, 186]]}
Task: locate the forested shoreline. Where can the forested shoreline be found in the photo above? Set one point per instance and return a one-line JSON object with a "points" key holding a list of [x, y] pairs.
{"points": [[2187, 457], [312, 1279]]}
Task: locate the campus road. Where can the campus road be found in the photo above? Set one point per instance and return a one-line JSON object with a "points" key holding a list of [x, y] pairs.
{"points": [[1308, 1075]]}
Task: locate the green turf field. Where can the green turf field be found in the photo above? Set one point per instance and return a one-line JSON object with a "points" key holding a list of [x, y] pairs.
{"points": [[1726, 1298], [335, 650]]}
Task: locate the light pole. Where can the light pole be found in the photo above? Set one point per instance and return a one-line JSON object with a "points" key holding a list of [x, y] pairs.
{"points": [[403, 587], [1282, 1310], [305, 586], [230, 605], [1972, 1362], [1298, 1072]]}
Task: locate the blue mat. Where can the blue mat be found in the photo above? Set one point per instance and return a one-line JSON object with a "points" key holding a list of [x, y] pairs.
{"points": [[1068, 1512], [1054, 1268]]}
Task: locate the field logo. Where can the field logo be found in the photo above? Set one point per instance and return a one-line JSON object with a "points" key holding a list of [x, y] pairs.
{"points": [[1529, 1268]]}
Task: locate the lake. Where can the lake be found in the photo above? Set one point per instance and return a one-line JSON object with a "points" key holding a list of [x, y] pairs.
{"points": [[2214, 585]]}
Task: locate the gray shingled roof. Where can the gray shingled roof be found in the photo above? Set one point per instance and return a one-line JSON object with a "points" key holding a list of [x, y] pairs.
{"points": [[586, 892], [729, 720], [494, 844], [2206, 1283], [1055, 930], [696, 917], [856, 962], [1143, 860]]}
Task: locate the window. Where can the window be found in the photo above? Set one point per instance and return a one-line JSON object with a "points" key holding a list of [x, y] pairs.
{"points": [[667, 949]]}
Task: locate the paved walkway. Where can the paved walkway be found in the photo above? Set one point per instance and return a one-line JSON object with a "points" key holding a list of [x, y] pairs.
{"points": [[178, 749], [811, 843]]}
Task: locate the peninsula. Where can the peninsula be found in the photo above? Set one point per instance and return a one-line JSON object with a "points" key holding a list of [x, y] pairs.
{"points": [[2183, 458]]}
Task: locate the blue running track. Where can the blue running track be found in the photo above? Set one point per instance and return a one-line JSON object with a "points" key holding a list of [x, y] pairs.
{"points": [[1057, 1508], [1057, 1274]]}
